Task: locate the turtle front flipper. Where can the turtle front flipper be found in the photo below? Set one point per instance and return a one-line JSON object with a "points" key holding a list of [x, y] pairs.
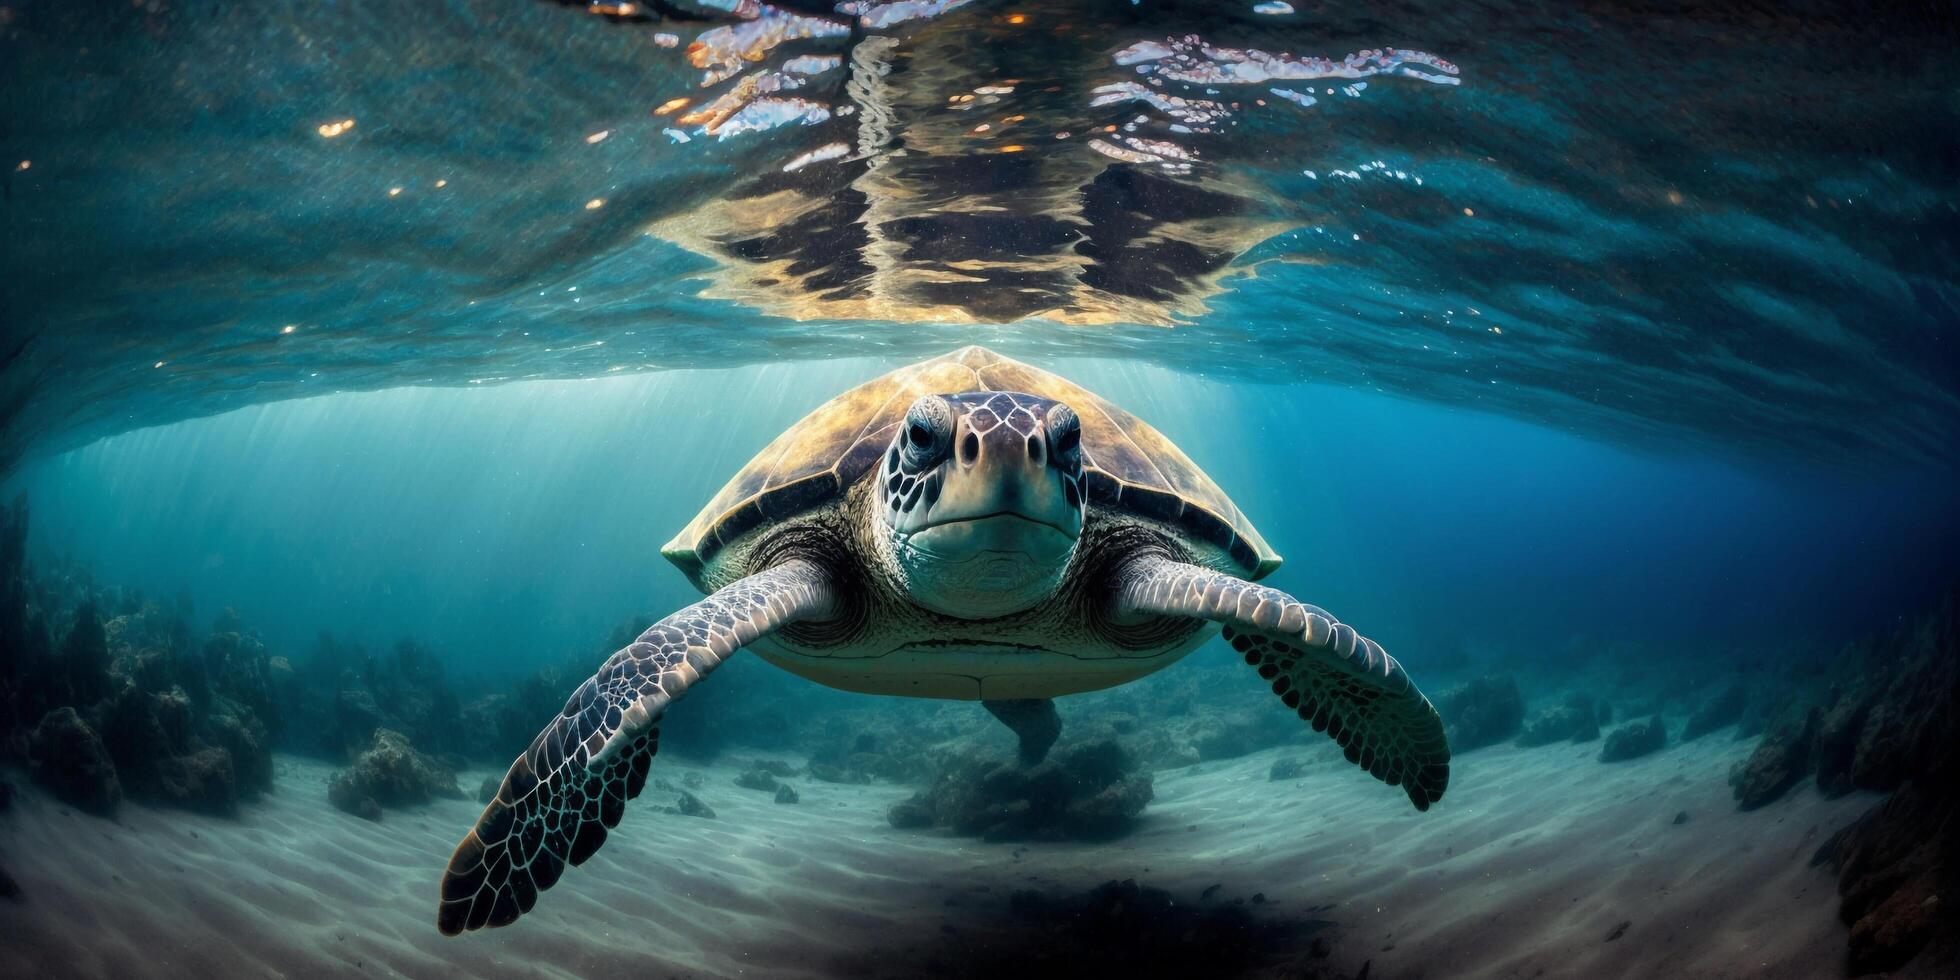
{"points": [[572, 784], [1339, 681]]}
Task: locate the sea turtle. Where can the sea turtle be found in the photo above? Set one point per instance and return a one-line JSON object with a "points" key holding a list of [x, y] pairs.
{"points": [[967, 527]]}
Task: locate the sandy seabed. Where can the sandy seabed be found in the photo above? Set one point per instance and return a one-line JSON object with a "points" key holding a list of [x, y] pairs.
{"points": [[1539, 862]]}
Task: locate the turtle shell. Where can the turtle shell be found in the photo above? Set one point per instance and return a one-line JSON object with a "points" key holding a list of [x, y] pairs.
{"points": [[1128, 465]]}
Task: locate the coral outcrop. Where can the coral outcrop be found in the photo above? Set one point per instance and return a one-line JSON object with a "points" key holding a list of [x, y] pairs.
{"points": [[69, 759], [1634, 739], [390, 773], [105, 694], [1086, 791], [1485, 711], [757, 778], [689, 805], [1898, 867], [1290, 767], [1574, 719], [1891, 724], [1717, 712], [1780, 761], [340, 694], [887, 753]]}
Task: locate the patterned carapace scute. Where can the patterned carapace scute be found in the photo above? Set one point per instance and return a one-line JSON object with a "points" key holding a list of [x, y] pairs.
{"points": [[1128, 465]]}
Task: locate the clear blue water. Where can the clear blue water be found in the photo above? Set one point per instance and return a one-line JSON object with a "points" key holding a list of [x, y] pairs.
{"points": [[503, 524], [1607, 349]]}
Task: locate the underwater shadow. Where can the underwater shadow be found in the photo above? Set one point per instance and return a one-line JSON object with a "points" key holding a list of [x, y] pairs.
{"points": [[1118, 928]]}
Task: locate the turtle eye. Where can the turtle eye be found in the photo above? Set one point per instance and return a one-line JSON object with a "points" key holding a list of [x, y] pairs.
{"points": [[1064, 433], [925, 428]]}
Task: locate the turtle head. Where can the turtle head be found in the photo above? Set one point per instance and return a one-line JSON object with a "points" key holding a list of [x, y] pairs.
{"points": [[981, 495]]}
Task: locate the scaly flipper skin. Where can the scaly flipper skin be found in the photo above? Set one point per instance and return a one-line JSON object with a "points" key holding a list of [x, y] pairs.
{"points": [[1341, 682], [573, 782]]}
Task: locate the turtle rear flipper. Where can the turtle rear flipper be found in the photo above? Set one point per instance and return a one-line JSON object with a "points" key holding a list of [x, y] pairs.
{"points": [[1033, 721], [563, 792], [1340, 682]]}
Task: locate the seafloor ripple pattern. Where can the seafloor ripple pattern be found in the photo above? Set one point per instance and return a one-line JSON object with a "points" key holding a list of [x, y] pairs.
{"points": [[1339, 681], [566, 790]]}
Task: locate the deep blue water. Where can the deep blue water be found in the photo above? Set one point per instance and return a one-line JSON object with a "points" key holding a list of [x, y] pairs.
{"points": [[506, 524]]}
